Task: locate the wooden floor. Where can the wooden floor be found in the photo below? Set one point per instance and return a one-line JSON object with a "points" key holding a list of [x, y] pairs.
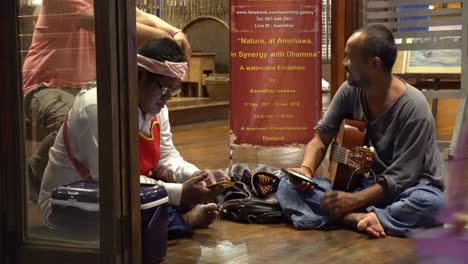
{"points": [[207, 146], [229, 242]]}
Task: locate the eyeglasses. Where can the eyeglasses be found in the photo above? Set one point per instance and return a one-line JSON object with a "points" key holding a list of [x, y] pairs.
{"points": [[165, 90]]}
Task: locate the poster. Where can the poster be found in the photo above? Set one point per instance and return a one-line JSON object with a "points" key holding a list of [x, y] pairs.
{"points": [[275, 67]]}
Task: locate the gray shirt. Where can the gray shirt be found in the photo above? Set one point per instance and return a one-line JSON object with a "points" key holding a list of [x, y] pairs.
{"points": [[406, 151]]}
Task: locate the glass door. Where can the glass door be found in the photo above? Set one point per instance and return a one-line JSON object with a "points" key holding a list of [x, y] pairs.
{"points": [[68, 71]]}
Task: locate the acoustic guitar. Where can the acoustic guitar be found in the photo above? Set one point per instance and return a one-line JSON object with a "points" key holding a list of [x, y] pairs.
{"points": [[350, 161]]}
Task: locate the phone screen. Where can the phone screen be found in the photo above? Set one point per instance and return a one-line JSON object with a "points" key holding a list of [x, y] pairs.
{"points": [[301, 177], [224, 184]]}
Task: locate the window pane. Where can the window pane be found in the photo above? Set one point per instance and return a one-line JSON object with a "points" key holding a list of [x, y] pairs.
{"points": [[57, 51]]}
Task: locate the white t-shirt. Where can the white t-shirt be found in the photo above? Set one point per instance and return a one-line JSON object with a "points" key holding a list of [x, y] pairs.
{"points": [[83, 139]]}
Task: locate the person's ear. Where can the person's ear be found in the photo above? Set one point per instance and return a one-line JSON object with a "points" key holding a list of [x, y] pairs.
{"points": [[376, 62]]}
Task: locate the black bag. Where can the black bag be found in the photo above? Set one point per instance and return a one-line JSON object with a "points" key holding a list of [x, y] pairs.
{"points": [[245, 202]]}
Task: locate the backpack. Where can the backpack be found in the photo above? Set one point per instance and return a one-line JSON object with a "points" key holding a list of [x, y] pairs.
{"points": [[252, 199]]}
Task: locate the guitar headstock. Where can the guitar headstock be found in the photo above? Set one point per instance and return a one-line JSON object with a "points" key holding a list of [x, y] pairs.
{"points": [[360, 157]]}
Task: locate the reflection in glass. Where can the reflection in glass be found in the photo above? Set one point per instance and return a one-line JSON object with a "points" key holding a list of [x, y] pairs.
{"points": [[57, 49]]}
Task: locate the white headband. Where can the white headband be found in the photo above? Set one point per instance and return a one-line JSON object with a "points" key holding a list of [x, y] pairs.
{"points": [[167, 68]]}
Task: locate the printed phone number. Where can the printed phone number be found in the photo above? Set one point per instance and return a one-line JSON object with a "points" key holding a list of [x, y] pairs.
{"points": [[268, 104], [274, 18]]}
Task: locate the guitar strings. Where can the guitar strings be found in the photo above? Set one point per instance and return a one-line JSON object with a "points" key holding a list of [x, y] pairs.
{"points": [[339, 152], [339, 157]]}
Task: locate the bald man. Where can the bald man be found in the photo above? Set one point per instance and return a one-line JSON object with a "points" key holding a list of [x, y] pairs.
{"points": [[406, 191]]}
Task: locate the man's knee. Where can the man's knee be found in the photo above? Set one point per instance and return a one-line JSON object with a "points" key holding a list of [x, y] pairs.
{"points": [[430, 199], [420, 208], [50, 106]]}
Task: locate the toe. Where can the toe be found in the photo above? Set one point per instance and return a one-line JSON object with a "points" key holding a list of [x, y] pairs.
{"points": [[372, 232], [361, 226], [211, 207]]}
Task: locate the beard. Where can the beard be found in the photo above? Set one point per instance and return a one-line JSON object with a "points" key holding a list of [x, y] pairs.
{"points": [[362, 82]]}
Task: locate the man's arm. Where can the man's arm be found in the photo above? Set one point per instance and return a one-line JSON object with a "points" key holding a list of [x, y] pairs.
{"points": [[325, 131], [158, 23], [171, 167], [342, 203], [154, 21], [191, 191], [315, 151], [145, 33], [87, 22]]}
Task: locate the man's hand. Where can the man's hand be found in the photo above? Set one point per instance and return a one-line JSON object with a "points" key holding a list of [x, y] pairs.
{"points": [[339, 203], [302, 185], [193, 192], [181, 39], [214, 177]]}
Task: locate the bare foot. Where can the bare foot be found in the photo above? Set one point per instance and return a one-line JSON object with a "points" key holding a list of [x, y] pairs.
{"points": [[368, 223], [201, 215]]}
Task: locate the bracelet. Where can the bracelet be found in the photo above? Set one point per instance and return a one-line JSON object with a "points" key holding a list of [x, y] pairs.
{"points": [[177, 32], [308, 168]]}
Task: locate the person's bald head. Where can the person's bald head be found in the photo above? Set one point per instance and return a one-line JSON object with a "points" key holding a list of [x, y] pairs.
{"points": [[376, 41]]}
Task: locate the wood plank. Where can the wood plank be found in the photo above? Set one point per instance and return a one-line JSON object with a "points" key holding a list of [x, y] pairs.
{"points": [[229, 242], [183, 110]]}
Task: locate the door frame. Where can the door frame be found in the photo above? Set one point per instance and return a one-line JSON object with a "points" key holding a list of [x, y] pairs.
{"points": [[346, 18], [120, 238]]}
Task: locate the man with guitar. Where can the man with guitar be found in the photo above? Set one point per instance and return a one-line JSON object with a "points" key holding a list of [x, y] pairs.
{"points": [[403, 187]]}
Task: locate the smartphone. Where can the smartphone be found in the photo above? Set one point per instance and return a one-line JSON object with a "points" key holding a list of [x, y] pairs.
{"points": [[300, 177], [224, 184]]}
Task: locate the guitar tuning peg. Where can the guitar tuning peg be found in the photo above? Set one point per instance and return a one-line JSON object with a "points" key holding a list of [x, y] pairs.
{"points": [[372, 149]]}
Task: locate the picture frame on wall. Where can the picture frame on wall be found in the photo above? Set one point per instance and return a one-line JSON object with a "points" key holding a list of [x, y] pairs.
{"points": [[400, 63], [436, 60]]}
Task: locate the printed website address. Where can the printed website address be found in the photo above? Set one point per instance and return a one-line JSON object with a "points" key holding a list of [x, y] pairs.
{"points": [[275, 12]]}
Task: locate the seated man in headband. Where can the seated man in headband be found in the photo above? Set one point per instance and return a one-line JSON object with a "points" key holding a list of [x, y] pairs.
{"points": [[60, 61], [74, 156]]}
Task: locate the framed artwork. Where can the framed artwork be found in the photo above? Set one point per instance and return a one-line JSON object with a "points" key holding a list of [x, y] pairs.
{"points": [[433, 61]]}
